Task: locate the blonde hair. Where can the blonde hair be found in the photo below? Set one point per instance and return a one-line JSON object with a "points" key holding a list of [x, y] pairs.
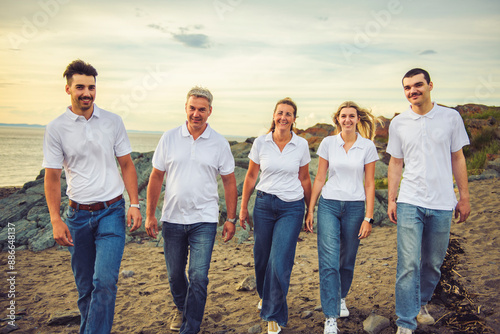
{"points": [[289, 102], [366, 125]]}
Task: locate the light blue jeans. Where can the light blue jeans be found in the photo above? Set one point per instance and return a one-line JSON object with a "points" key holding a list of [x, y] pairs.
{"points": [[189, 296], [423, 236], [277, 226], [338, 228], [99, 240]]}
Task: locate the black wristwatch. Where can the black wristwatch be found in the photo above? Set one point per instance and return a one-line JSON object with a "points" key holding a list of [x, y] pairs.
{"points": [[370, 220]]}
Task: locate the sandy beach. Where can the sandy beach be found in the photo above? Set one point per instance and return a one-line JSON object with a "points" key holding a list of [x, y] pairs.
{"points": [[45, 286]]}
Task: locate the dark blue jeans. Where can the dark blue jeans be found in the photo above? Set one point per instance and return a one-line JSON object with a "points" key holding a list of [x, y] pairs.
{"points": [[277, 225], [338, 227], [189, 296], [99, 240]]}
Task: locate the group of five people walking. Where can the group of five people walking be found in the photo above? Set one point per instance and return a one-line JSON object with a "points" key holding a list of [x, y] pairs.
{"points": [[85, 140]]}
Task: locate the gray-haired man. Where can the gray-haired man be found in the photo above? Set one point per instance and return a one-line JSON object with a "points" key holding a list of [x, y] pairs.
{"points": [[191, 156]]}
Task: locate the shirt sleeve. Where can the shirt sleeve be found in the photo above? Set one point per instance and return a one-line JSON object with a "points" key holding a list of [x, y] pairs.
{"points": [[371, 153], [323, 149], [226, 164], [306, 156], [122, 143], [394, 145], [53, 155], [459, 136], [158, 160], [254, 151]]}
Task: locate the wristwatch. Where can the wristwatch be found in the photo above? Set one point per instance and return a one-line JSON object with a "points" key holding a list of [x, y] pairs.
{"points": [[231, 220], [370, 220], [138, 206]]}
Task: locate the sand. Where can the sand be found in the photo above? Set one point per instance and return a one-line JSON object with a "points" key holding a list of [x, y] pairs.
{"points": [[45, 284]]}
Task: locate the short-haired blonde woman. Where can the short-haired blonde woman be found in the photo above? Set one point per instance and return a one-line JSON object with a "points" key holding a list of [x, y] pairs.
{"points": [[349, 158], [283, 160]]}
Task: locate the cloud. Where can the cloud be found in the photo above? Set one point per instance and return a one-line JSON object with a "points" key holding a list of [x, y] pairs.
{"points": [[427, 52], [158, 27], [200, 41]]}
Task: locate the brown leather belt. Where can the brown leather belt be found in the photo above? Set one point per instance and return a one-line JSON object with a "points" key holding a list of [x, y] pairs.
{"points": [[94, 206]]}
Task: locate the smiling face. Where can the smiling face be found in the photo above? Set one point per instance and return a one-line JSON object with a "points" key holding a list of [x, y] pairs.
{"points": [[284, 117], [82, 90], [348, 119], [198, 110], [417, 90]]}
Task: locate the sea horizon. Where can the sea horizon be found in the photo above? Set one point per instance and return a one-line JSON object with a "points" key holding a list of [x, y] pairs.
{"points": [[22, 152]]}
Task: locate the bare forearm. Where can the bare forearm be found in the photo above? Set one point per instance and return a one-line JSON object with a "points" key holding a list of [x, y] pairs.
{"points": [[230, 194], [153, 192], [52, 187], [460, 172], [393, 178]]}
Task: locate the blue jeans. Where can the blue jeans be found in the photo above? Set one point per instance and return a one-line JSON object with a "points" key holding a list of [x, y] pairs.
{"points": [[423, 236], [99, 240], [277, 226], [338, 228], [189, 296]]}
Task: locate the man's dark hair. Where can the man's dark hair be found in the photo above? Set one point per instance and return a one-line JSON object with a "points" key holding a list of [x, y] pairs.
{"points": [[79, 67], [417, 71]]}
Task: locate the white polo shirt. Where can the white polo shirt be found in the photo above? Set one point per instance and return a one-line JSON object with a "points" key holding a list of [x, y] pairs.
{"points": [[191, 168], [280, 170], [346, 169], [87, 149], [426, 143]]}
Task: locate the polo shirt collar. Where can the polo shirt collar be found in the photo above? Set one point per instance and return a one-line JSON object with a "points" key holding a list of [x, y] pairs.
{"points": [[430, 114], [294, 140], [74, 117], [341, 142], [205, 134]]}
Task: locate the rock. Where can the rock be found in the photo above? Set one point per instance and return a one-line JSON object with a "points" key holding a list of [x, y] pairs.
{"points": [[306, 315], [17, 206], [248, 284], [9, 328], [42, 240], [255, 329], [495, 165], [380, 170], [127, 273], [374, 324], [71, 317]]}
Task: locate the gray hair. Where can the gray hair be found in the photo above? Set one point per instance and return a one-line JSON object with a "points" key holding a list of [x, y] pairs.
{"points": [[198, 91]]}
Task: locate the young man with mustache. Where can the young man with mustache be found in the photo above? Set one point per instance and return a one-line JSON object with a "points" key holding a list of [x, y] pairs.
{"points": [[85, 140], [428, 139]]}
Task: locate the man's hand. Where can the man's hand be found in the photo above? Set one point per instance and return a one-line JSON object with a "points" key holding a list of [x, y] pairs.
{"points": [[228, 231], [244, 217], [463, 210], [392, 211], [61, 233], [134, 214], [152, 226]]}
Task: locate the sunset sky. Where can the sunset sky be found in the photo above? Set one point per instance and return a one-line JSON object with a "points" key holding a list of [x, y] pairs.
{"points": [[248, 53]]}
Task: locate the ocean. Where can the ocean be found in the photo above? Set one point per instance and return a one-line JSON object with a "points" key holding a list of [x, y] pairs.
{"points": [[21, 155]]}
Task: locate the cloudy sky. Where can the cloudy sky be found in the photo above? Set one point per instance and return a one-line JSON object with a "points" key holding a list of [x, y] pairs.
{"points": [[249, 53]]}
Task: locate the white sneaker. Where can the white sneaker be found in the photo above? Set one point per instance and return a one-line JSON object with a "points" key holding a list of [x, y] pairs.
{"points": [[344, 312], [330, 326], [259, 305], [273, 327], [402, 330], [423, 317]]}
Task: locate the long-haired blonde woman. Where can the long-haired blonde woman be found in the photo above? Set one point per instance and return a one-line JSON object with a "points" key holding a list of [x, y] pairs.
{"points": [[349, 158]]}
